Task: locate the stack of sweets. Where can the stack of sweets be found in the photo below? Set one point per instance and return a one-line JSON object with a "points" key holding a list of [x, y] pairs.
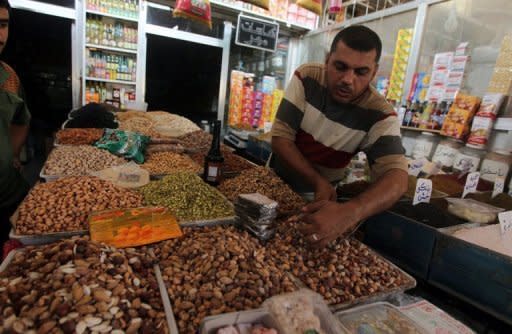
{"points": [[484, 120], [460, 115], [401, 58], [256, 213], [501, 80], [235, 98]]}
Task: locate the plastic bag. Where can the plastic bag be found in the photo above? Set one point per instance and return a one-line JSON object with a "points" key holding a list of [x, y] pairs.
{"points": [[474, 211], [196, 10], [301, 312], [312, 5], [127, 144], [129, 175]]}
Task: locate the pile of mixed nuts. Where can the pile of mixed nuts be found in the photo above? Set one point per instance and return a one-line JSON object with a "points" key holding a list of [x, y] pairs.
{"points": [[79, 286]]}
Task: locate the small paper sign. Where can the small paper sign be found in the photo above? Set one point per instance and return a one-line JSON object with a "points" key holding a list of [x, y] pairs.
{"points": [[423, 191], [415, 167], [499, 185], [471, 183], [267, 127], [505, 219]]}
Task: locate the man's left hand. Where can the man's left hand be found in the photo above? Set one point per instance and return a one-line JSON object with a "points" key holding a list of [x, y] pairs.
{"points": [[326, 221]]}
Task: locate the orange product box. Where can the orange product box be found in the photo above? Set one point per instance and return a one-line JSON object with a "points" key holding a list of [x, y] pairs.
{"points": [[467, 102], [133, 227]]}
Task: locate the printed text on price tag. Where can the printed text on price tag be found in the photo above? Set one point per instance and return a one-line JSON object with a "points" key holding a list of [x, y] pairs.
{"points": [[471, 183], [423, 191], [505, 219]]}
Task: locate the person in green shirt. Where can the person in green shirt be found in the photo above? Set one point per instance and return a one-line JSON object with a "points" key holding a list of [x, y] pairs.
{"points": [[14, 123]]}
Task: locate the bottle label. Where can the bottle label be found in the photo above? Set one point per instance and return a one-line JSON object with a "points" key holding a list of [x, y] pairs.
{"points": [[490, 169], [466, 163], [422, 149]]}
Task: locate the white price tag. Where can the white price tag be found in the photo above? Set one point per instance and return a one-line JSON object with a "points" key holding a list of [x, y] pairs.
{"points": [[499, 185], [471, 183], [423, 191], [416, 166], [505, 219]]}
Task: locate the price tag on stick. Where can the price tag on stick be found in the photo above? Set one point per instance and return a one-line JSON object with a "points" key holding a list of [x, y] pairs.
{"points": [[505, 219], [423, 191], [499, 185], [471, 183]]}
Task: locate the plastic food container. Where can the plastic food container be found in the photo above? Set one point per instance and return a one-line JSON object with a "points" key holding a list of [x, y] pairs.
{"points": [[378, 318], [495, 164], [302, 311], [473, 211], [467, 160], [424, 145], [210, 325], [446, 152]]}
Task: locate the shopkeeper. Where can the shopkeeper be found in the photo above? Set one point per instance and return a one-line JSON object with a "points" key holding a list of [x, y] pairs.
{"points": [[14, 118], [329, 113]]}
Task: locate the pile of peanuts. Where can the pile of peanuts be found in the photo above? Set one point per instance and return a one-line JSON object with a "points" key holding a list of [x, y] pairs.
{"points": [[215, 270], [265, 182], [159, 163], [79, 286], [79, 160], [78, 136], [64, 205], [341, 272]]}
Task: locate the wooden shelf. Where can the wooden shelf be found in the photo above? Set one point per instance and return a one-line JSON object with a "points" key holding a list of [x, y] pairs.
{"points": [[114, 16], [121, 82], [420, 130], [110, 48]]}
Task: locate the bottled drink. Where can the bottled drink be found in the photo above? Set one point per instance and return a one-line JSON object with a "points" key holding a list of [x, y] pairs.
{"points": [[409, 114], [214, 160], [425, 117]]}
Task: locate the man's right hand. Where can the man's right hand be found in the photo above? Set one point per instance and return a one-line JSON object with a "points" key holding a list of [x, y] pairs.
{"points": [[324, 191]]}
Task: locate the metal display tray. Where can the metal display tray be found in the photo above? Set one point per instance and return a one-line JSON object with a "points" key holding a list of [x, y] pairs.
{"points": [[40, 239], [379, 296], [171, 322]]}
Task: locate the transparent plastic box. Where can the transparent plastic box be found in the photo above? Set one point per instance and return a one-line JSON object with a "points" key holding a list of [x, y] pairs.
{"points": [[473, 211], [382, 318]]}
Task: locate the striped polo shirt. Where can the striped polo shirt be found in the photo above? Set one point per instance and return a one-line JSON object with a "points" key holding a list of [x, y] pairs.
{"points": [[329, 133]]}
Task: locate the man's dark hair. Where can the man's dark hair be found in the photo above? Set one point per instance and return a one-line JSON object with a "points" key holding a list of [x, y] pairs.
{"points": [[5, 4], [359, 38]]}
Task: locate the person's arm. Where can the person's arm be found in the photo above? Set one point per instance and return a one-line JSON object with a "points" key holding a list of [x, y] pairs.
{"points": [[383, 147], [293, 158], [18, 134], [326, 221]]}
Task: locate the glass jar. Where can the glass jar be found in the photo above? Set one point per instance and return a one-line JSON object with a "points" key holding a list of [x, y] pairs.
{"points": [[467, 160], [446, 152], [423, 146], [495, 163]]}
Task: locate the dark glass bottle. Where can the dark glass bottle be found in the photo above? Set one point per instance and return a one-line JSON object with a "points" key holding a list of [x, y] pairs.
{"points": [[213, 162]]}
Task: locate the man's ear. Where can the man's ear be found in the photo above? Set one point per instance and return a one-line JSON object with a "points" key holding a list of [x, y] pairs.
{"points": [[375, 71]]}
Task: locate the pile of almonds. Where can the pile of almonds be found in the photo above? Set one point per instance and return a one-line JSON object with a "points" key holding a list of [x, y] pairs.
{"points": [[341, 272], [159, 163], [78, 286], [266, 182], [77, 136], [79, 160], [215, 270], [64, 205]]}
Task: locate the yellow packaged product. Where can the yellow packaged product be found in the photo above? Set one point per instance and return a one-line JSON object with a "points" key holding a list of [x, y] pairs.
{"points": [[312, 5], [133, 227], [265, 4]]}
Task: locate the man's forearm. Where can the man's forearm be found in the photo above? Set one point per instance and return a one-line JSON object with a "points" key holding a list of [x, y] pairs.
{"points": [[381, 195], [18, 134], [288, 152]]}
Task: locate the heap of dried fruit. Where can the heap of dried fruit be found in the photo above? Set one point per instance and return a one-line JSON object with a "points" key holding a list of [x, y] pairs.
{"points": [[341, 272], [188, 197], [168, 162], [217, 270], [266, 182], [64, 205], [78, 286], [86, 136]]}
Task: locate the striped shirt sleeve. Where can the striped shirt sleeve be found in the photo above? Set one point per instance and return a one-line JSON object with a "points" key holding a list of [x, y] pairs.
{"points": [[291, 110], [383, 146]]}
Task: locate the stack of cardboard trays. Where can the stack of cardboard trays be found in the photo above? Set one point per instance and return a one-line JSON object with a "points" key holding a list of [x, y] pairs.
{"points": [[257, 213]]}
